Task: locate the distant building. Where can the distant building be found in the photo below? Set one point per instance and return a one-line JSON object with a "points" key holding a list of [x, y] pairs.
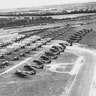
{"points": [[53, 9]]}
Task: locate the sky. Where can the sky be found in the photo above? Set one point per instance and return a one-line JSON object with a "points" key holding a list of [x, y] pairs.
{"points": [[7, 4]]}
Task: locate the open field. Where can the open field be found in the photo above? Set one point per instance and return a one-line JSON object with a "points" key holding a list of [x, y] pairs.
{"points": [[69, 74]]}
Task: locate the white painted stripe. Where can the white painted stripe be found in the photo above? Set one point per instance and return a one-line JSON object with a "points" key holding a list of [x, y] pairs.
{"points": [[77, 65], [12, 68]]}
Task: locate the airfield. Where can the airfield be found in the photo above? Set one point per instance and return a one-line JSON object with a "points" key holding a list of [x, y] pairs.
{"points": [[72, 73]]}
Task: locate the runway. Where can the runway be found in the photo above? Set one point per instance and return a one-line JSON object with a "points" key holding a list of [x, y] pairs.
{"points": [[81, 84]]}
